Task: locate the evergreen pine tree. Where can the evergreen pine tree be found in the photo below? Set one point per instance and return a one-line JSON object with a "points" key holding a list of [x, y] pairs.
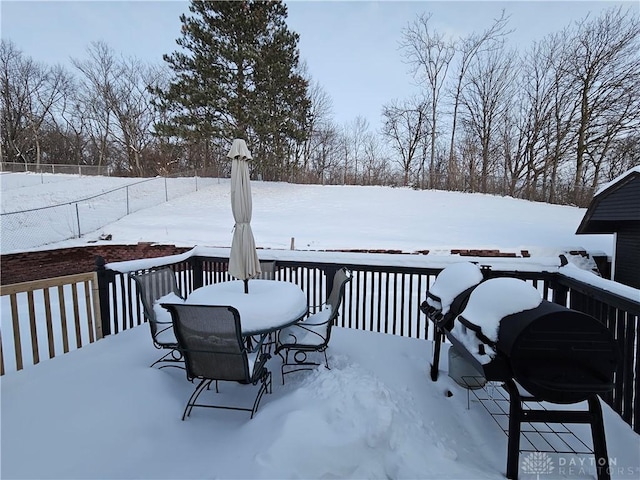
{"points": [[237, 76]]}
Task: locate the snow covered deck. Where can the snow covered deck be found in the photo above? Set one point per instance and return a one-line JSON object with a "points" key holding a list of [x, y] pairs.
{"points": [[101, 412]]}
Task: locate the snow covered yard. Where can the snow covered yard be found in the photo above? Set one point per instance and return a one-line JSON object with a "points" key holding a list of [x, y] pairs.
{"points": [[317, 217]]}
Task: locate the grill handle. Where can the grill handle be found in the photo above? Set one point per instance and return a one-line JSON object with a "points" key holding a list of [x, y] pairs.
{"points": [[477, 330], [432, 314]]}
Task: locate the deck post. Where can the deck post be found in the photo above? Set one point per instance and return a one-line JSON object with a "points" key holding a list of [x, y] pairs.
{"points": [[105, 277], [196, 268]]}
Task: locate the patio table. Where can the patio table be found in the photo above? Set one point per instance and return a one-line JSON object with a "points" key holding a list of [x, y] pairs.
{"points": [[269, 306]]}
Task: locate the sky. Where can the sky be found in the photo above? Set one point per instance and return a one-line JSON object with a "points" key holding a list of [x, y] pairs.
{"points": [[351, 48], [100, 412]]}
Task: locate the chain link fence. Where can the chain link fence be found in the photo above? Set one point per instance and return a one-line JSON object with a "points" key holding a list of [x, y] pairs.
{"points": [[25, 229], [55, 168]]}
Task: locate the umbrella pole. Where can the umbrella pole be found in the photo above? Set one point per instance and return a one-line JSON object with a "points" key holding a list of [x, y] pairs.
{"points": [[246, 285]]}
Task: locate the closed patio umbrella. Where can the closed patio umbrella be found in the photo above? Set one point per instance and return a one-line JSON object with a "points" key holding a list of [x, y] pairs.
{"points": [[243, 259]]}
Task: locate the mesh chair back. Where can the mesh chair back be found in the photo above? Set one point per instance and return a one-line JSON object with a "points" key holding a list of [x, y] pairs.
{"points": [[268, 270], [152, 286], [340, 279], [334, 299], [210, 339]]}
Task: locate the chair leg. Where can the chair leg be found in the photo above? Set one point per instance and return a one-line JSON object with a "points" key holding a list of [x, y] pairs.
{"points": [[326, 361], [270, 343], [194, 396], [285, 361], [300, 361], [265, 386], [205, 384]]}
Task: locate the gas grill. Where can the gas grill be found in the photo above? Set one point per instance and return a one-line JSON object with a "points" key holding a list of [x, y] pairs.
{"points": [[538, 350]]}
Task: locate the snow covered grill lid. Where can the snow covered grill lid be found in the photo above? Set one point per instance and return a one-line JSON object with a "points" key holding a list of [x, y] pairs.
{"points": [[556, 354], [478, 324], [450, 284]]}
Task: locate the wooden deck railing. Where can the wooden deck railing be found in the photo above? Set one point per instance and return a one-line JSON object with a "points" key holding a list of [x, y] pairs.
{"points": [[62, 313]]}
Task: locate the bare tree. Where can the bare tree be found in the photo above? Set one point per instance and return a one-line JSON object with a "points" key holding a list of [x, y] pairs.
{"points": [[358, 130], [467, 49], [603, 61], [318, 118], [99, 73], [30, 92], [325, 161], [71, 129], [118, 107], [130, 101], [558, 129], [623, 155], [544, 114], [485, 101], [403, 127], [51, 92], [16, 74], [375, 167], [429, 54]]}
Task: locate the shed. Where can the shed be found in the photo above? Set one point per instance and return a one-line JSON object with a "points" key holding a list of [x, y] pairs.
{"points": [[615, 209]]}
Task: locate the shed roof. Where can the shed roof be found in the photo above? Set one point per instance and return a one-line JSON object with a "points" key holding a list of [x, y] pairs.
{"points": [[614, 205]]}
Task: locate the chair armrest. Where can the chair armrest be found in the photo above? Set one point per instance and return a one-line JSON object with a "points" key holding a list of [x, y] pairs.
{"points": [[319, 318], [153, 319], [169, 327], [311, 324], [313, 331], [316, 308], [288, 344]]}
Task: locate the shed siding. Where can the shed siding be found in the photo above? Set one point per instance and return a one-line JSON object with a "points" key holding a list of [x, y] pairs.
{"points": [[627, 268], [621, 204]]}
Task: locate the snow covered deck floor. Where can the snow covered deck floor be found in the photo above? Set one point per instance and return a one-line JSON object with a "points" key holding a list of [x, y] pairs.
{"points": [[101, 412]]}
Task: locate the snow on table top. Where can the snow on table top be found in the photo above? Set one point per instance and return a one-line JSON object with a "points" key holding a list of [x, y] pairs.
{"points": [[269, 305]]}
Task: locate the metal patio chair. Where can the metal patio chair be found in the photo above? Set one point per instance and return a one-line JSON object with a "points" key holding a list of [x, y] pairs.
{"points": [[153, 286], [268, 269], [210, 340], [312, 334]]}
